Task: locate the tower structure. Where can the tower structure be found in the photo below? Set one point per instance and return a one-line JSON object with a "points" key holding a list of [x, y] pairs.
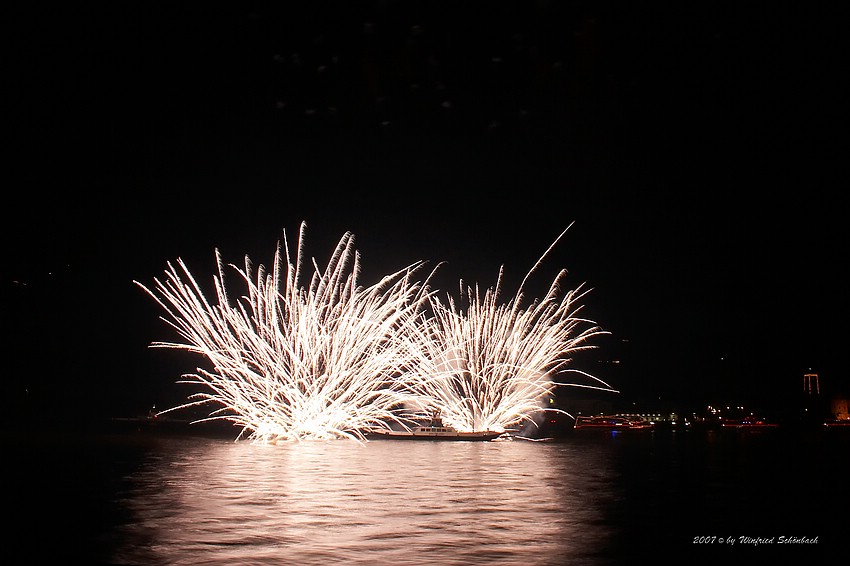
{"points": [[811, 384], [813, 402]]}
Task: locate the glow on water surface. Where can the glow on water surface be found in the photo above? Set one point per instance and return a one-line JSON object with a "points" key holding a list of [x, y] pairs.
{"points": [[387, 502]]}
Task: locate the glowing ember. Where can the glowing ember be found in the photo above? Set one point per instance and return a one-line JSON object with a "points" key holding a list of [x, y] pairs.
{"points": [[337, 360]]}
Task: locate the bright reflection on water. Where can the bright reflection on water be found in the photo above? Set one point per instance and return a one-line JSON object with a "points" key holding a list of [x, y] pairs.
{"points": [[389, 502]]}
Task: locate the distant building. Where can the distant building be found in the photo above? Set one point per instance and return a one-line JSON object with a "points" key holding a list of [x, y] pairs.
{"points": [[839, 408]]}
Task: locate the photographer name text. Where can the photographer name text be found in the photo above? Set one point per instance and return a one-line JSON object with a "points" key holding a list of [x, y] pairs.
{"points": [[754, 541]]}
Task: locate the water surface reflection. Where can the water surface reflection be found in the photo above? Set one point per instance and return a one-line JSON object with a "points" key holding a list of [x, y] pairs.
{"points": [[214, 501]]}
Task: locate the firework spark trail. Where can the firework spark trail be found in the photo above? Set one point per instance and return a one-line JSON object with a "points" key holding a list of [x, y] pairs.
{"points": [[319, 362], [488, 368]]}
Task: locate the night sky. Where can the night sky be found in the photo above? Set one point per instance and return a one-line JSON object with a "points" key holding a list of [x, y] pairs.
{"points": [[696, 149]]}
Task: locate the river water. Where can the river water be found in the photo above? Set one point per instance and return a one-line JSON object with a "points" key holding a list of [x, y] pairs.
{"points": [[140, 498]]}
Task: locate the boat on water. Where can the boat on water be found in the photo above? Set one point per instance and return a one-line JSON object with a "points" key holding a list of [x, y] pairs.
{"points": [[612, 423], [434, 433], [434, 430]]}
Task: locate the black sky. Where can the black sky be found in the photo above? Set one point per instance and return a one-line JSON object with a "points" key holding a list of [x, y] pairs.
{"points": [[698, 148]]}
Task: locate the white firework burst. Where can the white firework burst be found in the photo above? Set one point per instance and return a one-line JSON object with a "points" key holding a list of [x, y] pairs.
{"points": [[290, 362], [492, 366]]}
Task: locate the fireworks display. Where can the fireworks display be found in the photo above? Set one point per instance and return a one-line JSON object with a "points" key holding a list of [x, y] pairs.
{"points": [[334, 359], [293, 362], [491, 366]]}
